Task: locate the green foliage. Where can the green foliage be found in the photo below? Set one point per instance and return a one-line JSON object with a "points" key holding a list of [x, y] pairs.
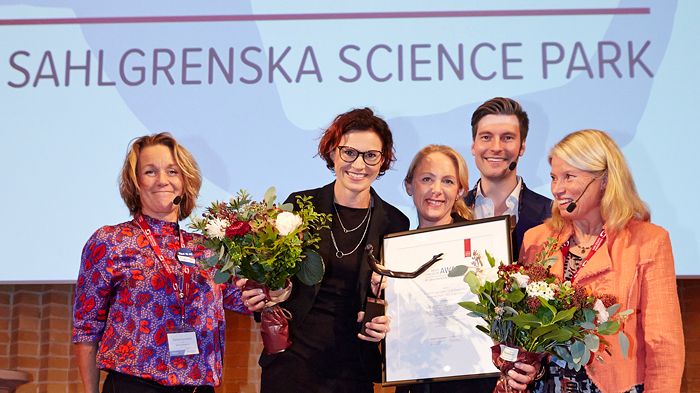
{"points": [[541, 316], [255, 249]]}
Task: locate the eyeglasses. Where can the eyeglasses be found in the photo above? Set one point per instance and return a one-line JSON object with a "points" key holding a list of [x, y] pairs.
{"points": [[370, 157]]}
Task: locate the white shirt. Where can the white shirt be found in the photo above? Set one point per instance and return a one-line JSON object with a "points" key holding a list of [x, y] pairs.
{"points": [[484, 207]]}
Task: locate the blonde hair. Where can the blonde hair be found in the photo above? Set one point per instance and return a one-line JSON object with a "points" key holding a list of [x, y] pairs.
{"points": [[596, 152], [128, 180], [459, 207]]}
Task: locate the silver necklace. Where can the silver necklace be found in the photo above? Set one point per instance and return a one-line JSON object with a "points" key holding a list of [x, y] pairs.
{"points": [[339, 254], [341, 222]]}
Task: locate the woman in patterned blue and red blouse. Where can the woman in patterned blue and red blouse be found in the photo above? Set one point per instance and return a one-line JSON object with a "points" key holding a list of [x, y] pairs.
{"points": [[144, 311]]}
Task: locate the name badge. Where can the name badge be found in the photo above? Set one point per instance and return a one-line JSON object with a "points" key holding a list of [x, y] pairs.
{"points": [[182, 344], [186, 256]]}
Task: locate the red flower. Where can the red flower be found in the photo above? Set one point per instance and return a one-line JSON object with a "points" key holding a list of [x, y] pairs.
{"points": [[238, 228], [195, 373], [160, 337], [178, 362], [145, 326], [161, 366], [158, 310]]}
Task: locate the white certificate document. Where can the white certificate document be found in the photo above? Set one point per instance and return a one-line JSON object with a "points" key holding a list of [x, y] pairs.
{"points": [[432, 337]]}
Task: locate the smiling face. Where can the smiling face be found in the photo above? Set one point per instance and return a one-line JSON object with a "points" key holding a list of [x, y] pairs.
{"points": [[496, 145], [569, 183], [160, 181], [434, 188], [354, 179]]}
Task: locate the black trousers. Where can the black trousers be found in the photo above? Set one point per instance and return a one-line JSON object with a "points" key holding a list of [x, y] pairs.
{"points": [[479, 385], [289, 373], [123, 383]]}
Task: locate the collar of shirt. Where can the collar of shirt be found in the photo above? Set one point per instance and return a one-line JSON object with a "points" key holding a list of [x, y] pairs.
{"points": [[484, 208]]}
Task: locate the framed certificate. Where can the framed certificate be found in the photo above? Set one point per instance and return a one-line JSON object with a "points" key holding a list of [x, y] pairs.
{"points": [[433, 338]]}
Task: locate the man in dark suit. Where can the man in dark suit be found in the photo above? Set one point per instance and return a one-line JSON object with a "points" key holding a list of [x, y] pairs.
{"points": [[499, 131]]}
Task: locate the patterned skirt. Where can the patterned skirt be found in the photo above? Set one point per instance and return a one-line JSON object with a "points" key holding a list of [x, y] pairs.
{"points": [[560, 379]]}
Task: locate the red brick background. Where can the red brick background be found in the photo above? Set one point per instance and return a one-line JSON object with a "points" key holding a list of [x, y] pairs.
{"points": [[35, 323]]}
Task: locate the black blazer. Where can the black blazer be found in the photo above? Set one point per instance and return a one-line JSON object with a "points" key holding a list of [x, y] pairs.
{"points": [[385, 219], [533, 209]]}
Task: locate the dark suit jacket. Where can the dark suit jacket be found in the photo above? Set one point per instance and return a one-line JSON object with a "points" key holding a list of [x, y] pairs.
{"points": [[533, 210], [385, 219]]}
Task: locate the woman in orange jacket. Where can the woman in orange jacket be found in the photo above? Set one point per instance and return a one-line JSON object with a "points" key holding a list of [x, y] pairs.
{"points": [[609, 246]]}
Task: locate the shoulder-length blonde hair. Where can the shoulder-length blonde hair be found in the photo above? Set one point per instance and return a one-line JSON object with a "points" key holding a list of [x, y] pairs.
{"points": [[128, 180], [595, 152], [459, 207]]}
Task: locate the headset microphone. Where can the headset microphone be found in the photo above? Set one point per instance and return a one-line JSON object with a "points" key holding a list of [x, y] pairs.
{"points": [[572, 206], [177, 200], [512, 165]]}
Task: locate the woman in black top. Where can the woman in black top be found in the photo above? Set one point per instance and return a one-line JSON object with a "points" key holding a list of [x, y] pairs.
{"points": [[437, 179], [328, 354]]}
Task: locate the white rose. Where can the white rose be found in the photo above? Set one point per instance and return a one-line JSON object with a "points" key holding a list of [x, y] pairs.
{"points": [[216, 228], [521, 279], [601, 310], [487, 274], [286, 222]]}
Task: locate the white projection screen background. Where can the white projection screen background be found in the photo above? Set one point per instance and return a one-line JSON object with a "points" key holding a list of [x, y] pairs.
{"points": [[249, 86]]}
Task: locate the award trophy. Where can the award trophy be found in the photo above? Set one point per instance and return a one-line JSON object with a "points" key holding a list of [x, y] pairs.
{"points": [[375, 306]]}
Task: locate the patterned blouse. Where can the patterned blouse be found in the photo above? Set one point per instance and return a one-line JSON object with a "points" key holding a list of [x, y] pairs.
{"points": [[125, 303]]}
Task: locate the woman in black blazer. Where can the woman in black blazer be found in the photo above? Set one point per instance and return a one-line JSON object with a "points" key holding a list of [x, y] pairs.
{"points": [[328, 354]]}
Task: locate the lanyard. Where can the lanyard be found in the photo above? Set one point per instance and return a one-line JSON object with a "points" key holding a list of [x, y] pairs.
{"points": [[182, 289], [598, 243]]}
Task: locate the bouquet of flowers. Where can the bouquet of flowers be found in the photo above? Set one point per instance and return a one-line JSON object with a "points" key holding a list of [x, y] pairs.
{"points": [[529, 313], [267, 244]]}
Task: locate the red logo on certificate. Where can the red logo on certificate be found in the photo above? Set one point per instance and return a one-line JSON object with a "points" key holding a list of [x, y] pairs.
{"points": [[467, 248]]}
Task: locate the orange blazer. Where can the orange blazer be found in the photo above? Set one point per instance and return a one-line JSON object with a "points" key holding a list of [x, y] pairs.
{"points": [[636, 265]]}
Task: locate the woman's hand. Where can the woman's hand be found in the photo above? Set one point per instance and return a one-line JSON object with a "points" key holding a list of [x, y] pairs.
{"points": [[375, 283], [376, 329], [256, 300], [521, 378]]}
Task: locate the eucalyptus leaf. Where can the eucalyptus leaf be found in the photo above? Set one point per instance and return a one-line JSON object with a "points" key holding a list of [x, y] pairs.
{"points": [[624, 344], [270, 196], [457, 271], [312, 268], [587, 325], [577, 349], [613, 309], [287, 207], [221, 277], [473, 281], [592, 342], [625, 313], [589, 315], [609, 327], [585, 358], [211, 261]]}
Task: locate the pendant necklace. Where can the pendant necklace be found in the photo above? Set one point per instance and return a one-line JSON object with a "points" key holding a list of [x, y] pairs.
{"points": [[341, 222], [339, 254]]}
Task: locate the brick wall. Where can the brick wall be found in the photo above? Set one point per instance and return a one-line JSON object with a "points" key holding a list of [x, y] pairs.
{"points": [[35, 322]]}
